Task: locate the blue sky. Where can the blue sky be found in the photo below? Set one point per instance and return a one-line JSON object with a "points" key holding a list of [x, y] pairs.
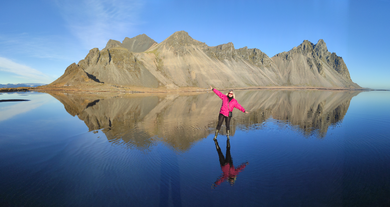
{"points": [[40, 38]]}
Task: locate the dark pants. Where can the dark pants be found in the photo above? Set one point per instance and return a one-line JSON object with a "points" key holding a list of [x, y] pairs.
{"points": [[220, 120], [222, 159]]}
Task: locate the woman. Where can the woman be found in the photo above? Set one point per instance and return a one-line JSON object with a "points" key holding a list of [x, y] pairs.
{"points": [[229, 172], [226, 112]]}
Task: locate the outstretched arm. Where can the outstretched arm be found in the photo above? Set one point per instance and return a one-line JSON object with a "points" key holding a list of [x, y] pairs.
{"points": [[221, 95], [220, 180], [242, 166], [239, 107]]}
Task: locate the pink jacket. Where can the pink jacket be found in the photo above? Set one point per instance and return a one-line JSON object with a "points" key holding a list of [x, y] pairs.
{"points": [[229, 171], [226, 105]]}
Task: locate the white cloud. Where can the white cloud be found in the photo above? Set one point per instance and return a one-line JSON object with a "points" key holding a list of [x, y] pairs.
{"points": [[23, 71], [9, 111], [94, 22]]}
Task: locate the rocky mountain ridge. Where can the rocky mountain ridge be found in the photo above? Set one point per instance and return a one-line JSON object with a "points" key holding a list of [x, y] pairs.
{"points": [[181, 61]]}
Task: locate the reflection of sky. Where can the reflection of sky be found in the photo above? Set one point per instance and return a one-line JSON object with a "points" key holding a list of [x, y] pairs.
{"points": [[373, 102], [367, 121], [48, 154], [11, 109], [369, 111]]}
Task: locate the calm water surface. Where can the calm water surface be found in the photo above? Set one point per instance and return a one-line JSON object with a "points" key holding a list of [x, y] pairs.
{"points": [[294, 148]]}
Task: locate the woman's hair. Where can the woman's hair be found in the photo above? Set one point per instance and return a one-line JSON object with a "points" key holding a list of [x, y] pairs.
{"points": [[234, 95]]}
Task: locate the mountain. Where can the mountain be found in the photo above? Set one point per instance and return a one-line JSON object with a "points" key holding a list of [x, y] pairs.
{"points": [[17, 85], [181, 61], [313, 65]]}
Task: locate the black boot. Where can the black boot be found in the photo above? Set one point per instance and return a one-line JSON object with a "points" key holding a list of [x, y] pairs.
{"points": [[216, 144], [216, 134]]}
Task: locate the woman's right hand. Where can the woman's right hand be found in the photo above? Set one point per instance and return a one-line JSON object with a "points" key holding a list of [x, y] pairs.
{"points": [[211, 87]]}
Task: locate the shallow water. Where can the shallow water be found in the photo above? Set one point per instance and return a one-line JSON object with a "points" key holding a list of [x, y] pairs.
{"points": [[295, 148]]}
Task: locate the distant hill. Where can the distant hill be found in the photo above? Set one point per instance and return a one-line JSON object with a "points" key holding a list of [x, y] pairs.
{"points": [[181, 61], [9, 85]]}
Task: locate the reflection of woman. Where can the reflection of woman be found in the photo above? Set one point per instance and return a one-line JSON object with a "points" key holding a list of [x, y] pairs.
{"points": [[229, 173], [228, 104]]}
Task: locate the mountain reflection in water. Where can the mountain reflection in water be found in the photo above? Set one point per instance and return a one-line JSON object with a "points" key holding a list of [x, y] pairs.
{"points": [[180, 120]]}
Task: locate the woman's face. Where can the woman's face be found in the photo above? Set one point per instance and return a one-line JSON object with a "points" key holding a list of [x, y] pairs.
{"points": [[230, 94]]}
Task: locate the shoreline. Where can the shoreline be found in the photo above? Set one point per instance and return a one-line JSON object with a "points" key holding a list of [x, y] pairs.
{"points": [[138, 90], [20, 89]]}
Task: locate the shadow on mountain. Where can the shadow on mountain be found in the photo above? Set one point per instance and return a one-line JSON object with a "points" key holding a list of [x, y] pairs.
{"points": [[181, 120], [93, 78]]}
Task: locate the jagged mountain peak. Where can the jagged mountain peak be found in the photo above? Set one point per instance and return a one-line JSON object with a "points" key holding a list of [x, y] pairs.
{"points": [[180, 34], [306, 46], [226, 46], [140, 36], [321, 41], [139, 43], [181, 38], [321, 45], [113, 43], [320, 48]]}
